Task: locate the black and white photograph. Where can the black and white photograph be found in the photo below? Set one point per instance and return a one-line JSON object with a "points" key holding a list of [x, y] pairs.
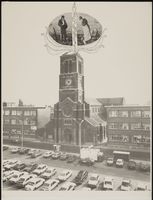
{"points": [[76, 100]]}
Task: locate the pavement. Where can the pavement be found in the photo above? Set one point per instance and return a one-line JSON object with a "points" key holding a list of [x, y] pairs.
{"points": [[100, 168]]}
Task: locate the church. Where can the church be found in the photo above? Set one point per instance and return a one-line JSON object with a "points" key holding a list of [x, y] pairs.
{"points": [[77, 121]]}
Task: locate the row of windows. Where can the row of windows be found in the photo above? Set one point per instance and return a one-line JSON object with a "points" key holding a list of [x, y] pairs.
{"points": [[95, 110], [67, 122], [136, 139], [19, 112], [15, 131], [125, 126], [19, 122], [69, 66], [116, 113]]}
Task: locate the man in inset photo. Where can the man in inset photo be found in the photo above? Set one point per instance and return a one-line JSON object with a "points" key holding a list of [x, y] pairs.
{"points": [[63, 26]]}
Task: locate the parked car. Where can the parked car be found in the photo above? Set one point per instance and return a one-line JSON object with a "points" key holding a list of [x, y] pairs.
{"points": [[11, 164], [93, 180], [5, 147], [71, 159], [100, 157], [119, 163], [19, 166], [144, 166], [108, 184], [64, 175], [40, 169], [23, 150], [125, 185], [15, 149], [8, 174], [131, 165], [81, 176], [16, 177], [110, 161], [86, 161], [34, 184], [24, 180], [47, 154], [141, 187], [68, 186], [31, 151], [50, 185], [36, 154], [56, 155], [63, 156], [48, 173], [86, 189], [31, 167], [5, 162]]}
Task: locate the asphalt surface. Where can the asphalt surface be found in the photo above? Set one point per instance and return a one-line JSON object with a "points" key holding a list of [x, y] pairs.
{"points": [[100, 168]]}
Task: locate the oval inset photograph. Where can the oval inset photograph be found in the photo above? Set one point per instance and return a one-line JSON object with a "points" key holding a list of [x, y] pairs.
{"points": [[88, 29]]}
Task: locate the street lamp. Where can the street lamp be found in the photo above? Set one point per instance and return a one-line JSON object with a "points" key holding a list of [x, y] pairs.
{"points": [[80, 132]]}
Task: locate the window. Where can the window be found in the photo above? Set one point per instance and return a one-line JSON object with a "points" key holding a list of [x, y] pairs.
{"points": [[135, 113], [146, 126], [19, 112], [124, 126], [139, 139], [26, 122], [136, 126], [19, 121], [113, 113], [123, 113], [32, 122], [113, 126], [13, 121], [6, 112], [26, 113], [146, 114], [6, 121], [13, 112], [34, 112], [80, 67], [67, 122]]}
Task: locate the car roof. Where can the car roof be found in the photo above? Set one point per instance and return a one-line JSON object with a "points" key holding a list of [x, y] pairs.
{"points": [[93, 175], [35, 179], [68, 184], [66, 170], [108, 178], [50, 168], [126, 180], [119, 159], [51, 180]]}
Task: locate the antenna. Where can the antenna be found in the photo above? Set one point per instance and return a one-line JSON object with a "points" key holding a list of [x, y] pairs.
{"points": [[74, 28]]}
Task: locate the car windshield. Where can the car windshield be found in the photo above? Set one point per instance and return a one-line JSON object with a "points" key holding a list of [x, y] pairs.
{"points": [[46, 184], [93, 178], [40, 167], [31, 183], [15, 176], [62, 174], [126, 184], [108, 182], [22, 179], [48, 171], [110, 159], [63, 188]]}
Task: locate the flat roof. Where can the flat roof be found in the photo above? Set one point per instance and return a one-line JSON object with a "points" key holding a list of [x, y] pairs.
{"points": [[127, 105], [121, 152]]}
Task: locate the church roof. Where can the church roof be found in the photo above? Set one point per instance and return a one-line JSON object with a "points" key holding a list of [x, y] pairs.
{"points": [[93, 101], [95, 120], [111, 101]]}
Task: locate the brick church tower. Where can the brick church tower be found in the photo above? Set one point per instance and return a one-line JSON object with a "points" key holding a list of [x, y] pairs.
{"points": [[69, 112]]}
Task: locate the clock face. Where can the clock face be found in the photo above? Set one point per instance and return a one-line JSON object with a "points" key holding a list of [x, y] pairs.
{"points": [[67, 110], [68, 82]]}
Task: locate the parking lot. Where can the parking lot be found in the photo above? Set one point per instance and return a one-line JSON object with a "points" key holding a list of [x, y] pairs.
{"points": [[117, 174]]}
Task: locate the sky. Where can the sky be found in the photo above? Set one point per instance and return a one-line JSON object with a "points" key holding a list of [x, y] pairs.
{"points": [[121, 69]]}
